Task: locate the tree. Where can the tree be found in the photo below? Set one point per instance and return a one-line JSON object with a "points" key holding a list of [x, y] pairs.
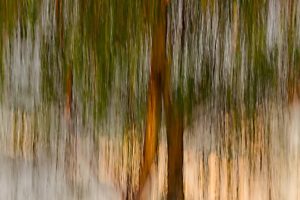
{"points": [[159, 90]]}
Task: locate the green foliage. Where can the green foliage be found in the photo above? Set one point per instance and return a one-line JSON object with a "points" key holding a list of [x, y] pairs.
{"points": [[105, 43]]}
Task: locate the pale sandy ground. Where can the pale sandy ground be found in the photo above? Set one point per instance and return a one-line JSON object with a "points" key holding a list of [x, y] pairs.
{"points": [[20, 180], [209, 178]]}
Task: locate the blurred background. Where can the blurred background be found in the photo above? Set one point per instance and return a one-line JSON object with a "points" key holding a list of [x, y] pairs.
{"points": [[74, 77]]}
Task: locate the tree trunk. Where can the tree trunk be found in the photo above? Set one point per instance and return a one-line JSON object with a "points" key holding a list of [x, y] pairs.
{"points": [[152, 126], [59, 21], [159, 89], [71, 139]]}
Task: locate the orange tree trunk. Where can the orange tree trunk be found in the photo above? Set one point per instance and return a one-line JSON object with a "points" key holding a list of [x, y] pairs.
{"points": [[71, 140], [158, 90]]}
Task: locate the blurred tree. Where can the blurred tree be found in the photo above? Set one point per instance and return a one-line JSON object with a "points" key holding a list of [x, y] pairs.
{"points": [[159, 89]]}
